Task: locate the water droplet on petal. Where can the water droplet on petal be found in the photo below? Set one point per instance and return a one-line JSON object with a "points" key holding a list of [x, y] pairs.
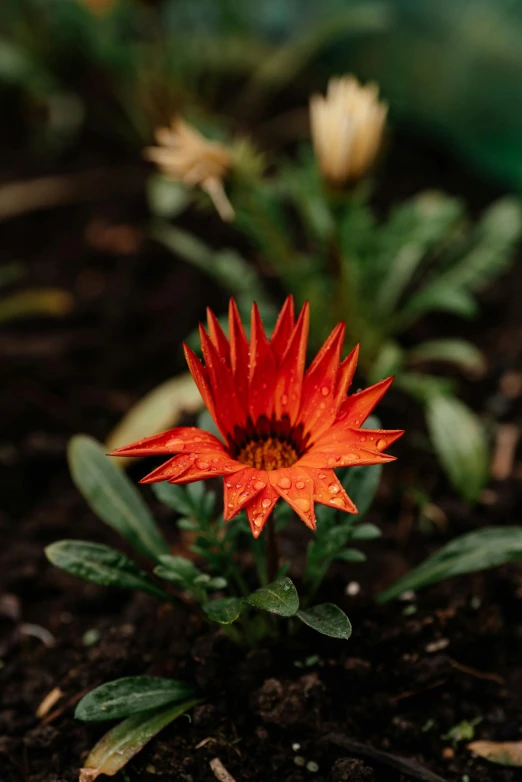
{"points": [[333, 488], [202, 465], [259, 485], [258, 520], [196, 439], [244, 495], [266, 503], [325, 390], [284, 483], [332, 460], [300, 485], [230, 504], [321, 476], [381, 443], [303, 504], [337, 501], [228, 485]]}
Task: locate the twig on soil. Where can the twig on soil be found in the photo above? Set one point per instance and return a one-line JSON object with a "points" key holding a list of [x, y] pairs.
{"points": [[220, 772], [492, 677], [67, 705], [410, 693], [409, 768]]}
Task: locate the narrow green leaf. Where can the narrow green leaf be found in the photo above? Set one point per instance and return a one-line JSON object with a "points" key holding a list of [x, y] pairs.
{"points": [[101, 565], [351, 555], [327, 619], [119, 745], [361, 484], [180, 570], [365, 532], [280, 597], [224, 611], [486, 548], [460, 441], [453, 351], [124, 697], [113, 497]]}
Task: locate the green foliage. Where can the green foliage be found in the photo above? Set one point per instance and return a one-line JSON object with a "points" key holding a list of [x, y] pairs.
{"points": [[224, 611], [125, 740], [279, 598], [460, 443], [486, 548], [327, 619], [123, 697], [113, 497], [101, 565]]}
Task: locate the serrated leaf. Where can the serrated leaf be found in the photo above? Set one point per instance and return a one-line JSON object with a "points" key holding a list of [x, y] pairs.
{"points": [[125, 740], [100, 565], [157, 411], [280, 597], [123, 697], [454, 351], [327, 619], [112, 496], [460, 442], [224, 611], [366, 532], [485, 548]]}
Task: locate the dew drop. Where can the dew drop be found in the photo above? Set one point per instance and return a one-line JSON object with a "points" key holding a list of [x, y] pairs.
{"points": [[258, 485], [303, 504], [332, 460], [300, 485], [337, 501], [325, 390], [321, 476], [230, 504], [284, 483], [243, 495], [266, 503], [333, 488], [202, 465], [381, 443], [228, 485], [197, 439], [259, 520]]}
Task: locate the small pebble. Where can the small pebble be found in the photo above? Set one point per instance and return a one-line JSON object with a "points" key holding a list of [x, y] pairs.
{"points": [[437, 646], [312, 766], [299, 760], [91, 637], [296, 747], [353, 588], [407, 596]]}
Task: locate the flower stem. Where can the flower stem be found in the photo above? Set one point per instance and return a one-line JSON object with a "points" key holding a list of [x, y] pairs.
{"points": [[272, 550]]}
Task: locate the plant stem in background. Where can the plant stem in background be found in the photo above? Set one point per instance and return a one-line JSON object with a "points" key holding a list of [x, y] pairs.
{"points": [[272, 550]]}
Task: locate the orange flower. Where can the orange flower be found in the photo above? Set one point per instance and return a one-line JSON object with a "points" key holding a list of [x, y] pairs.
{"points": [[284, 430]]}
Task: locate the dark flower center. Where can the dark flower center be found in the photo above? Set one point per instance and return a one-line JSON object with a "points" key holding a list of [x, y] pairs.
{"points": [[269, 444]]}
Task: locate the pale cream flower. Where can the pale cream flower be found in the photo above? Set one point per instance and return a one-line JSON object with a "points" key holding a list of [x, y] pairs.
{"points": [[187, 156], [347, 128]]}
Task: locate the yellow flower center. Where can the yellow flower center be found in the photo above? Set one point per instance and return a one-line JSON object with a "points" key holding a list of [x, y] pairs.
{"points": [[268, 454]]}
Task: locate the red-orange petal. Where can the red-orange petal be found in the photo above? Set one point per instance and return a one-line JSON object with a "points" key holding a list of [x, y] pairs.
{"points": [[217, 335], [296, 487], [171, 469], [328, 489], [262, 371], [346, 374], [241, 489], [357, 407], [209, 465], [181, 439], [200, 376], [260, 508], [318, 399], [228, 408], [239, 352], [283, 329], [339, 437], [287, 391], [335, 457]]}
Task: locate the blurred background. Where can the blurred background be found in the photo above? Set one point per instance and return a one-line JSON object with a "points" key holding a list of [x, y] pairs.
{"points": [[92, 310]]}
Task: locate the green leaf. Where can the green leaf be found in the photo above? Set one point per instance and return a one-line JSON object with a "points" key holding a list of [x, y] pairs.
{"points": [[454, 351], [280, 597], [123, 697], [460, 442], [327, 619], [101, 565], [224, 611], [485, 548], [113, 497], [180, 570], [366, 532], [351, 555], [125, 740], [424, 387], [361, 484]]}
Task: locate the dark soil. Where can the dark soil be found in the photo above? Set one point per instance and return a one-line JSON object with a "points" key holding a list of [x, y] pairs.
{"points": [[411, 671]]}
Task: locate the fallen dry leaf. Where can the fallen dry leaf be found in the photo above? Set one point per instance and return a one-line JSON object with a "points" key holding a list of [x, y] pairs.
{"points": [[506, 753]]}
